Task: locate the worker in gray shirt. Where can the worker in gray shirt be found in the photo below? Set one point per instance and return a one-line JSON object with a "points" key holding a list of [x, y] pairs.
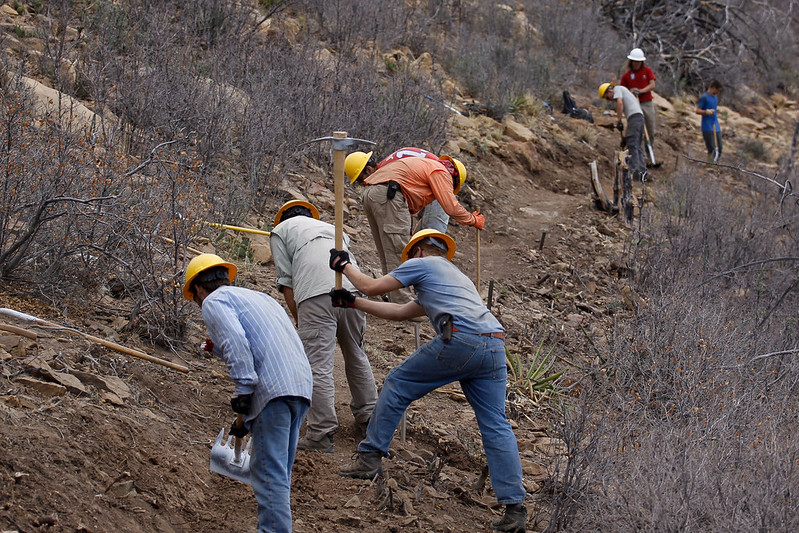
{"points": [[627, 105], [300, 245]]}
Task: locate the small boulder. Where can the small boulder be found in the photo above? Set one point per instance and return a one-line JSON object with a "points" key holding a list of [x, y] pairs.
{"points": [[516, 131]]}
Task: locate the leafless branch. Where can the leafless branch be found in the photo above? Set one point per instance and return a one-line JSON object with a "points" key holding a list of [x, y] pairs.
{"points": [[276, 8], [151, 157], [742, 267], [72, 199], [762, 356], [788, 166], [786, 188]]}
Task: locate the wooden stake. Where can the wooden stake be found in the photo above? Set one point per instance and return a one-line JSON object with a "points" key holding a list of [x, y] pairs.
{"points": [[18, 331]]}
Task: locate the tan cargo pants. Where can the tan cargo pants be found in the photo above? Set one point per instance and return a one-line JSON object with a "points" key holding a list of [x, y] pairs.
{"points": [[319, 325], [390, 222]]}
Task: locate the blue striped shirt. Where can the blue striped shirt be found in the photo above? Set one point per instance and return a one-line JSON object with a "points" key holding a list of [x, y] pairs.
{"points": [[257, 340]]}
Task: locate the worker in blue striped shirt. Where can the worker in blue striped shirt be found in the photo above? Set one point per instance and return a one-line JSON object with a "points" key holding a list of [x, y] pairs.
{"points": [[256, 339]]}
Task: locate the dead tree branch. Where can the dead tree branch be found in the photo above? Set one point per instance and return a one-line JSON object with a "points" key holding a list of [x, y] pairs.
{"points": [[741, 267], [786, 188]]}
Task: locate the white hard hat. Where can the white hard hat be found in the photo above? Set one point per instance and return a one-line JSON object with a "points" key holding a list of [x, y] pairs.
{"points": [[636, 54]]}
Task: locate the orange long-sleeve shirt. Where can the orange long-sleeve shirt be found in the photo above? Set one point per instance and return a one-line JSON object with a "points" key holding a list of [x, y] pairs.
{"points": [[422, 181]]}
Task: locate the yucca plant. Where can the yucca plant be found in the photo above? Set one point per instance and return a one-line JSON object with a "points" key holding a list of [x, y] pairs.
{"points": [[532, 377]]}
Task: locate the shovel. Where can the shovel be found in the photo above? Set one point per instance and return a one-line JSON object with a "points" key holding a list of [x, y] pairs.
{"points": [[232, 462], [652, 163], [716, 153]]}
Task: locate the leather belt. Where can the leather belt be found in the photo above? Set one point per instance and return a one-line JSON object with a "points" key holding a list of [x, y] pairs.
{"points": [[496, 334]]}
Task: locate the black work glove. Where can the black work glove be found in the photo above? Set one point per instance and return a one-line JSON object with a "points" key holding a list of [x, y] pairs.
{"points": [[339, 259], [342, 298], [620, 125], [241, 403], [238, 432]]}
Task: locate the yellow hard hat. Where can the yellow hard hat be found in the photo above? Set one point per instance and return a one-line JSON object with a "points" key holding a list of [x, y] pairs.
{"points": [[295, 203], [604, 88], [461, 171], [355, 163], [202, 263], [425, 233]]}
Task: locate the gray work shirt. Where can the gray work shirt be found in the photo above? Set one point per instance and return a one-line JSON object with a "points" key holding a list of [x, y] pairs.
{"points": [[628, 100], [301, 250]]}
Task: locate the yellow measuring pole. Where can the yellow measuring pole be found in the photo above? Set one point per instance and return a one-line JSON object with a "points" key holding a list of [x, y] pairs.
{"points": [[238, 228]]}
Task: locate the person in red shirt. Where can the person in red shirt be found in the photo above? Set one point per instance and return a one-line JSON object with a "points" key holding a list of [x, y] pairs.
{"points": [[640, 80]]}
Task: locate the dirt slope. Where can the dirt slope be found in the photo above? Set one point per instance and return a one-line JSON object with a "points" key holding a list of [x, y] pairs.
{"points": [[123, 445]]}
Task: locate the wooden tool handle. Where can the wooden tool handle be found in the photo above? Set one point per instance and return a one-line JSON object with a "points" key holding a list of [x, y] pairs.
{"points": [[98, 340], [477, 247], [338, 182], [18, 331], [131, 351], [237, 440]]}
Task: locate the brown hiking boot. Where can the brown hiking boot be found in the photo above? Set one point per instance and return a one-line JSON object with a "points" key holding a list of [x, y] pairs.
{"points": [[514, 520], [367, 465], [325, 444]]}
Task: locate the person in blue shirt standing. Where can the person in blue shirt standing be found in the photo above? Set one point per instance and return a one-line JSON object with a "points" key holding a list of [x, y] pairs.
{"points": [[469, 347], [707, 106], [254, 336]]}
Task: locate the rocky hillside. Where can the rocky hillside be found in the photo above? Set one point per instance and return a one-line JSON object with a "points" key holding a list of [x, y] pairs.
{"points": [[95, 440]]}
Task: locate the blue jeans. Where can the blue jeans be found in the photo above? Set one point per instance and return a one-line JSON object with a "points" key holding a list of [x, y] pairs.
{"points": [[434, 217], [478, 363], [274, 442]]}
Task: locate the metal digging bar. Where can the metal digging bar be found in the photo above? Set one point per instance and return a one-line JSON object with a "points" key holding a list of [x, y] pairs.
{"points": [[652, 162]]}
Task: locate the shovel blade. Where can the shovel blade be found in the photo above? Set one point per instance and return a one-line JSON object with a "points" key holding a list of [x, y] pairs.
{"points": [[224, 459], [651, 152]]}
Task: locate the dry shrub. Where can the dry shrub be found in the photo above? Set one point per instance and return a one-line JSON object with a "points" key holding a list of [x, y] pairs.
{"points": [[691, 42], [579, 35], [695, 425], [211, 115]]}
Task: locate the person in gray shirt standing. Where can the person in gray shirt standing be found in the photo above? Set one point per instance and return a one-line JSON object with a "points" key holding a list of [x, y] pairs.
{"points": [[627, 105], [300, 246]]}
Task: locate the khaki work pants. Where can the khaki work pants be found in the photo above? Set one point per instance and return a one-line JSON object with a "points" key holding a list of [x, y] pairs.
{"points": [[319, 325], [390, 222]]}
